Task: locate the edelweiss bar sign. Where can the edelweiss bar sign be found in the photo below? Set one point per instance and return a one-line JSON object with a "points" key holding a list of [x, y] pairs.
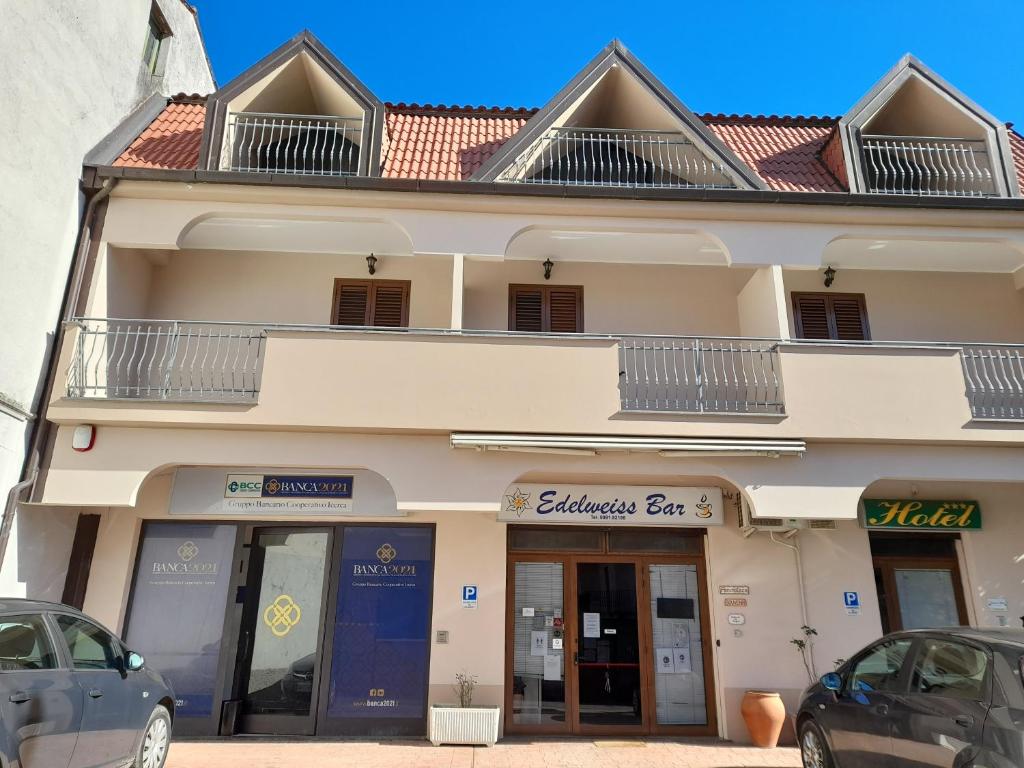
{"points": [[612, 505]]}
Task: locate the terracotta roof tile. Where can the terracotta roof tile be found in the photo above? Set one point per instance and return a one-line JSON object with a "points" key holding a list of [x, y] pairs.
{"points": [[448, 143], [1017, 148], [451, 143], [782, 150], [171, 140]]}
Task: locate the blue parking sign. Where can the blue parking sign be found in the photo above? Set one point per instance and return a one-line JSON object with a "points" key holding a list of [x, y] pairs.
{"points": [[469, 596], [851, 599]]}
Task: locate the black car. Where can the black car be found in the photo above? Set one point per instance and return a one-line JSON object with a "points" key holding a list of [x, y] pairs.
{"points": [[950, 698], [72, 695]]}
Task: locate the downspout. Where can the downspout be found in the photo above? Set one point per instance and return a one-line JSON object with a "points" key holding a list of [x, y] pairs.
{"points": [[800, 588], [40, 426]]}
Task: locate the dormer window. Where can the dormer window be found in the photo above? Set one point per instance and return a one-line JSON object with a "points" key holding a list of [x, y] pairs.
{"points": [[615, 125], [318, 145], [300, 112], [914, 134]]}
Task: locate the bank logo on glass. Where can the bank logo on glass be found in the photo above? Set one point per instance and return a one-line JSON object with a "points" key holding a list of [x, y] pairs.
{"points": [[385, 565], [386, 553], [282, 615], [518, 502], [186, 564], [288, 487], [188, 551]]}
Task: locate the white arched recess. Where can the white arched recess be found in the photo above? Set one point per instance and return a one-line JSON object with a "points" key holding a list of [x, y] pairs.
{"points": [[427, 474]]}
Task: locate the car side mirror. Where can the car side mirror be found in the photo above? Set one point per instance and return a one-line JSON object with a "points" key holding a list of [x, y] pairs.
{"points": [[832, 681], [135, 662]]}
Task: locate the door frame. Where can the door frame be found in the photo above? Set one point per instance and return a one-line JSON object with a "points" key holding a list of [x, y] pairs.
{"points": [[266, 724], [642, 560], [888, 564]]}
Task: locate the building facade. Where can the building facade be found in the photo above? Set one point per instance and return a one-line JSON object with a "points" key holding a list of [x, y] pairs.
{"points": [[128, 59], [600, 404]]}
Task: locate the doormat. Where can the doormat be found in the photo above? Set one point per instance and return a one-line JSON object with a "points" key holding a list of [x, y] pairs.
{"points": [[619, 744]]}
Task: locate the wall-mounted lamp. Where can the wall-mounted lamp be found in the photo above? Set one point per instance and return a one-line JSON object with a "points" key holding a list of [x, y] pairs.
{"points": [[548, 264], [371, 263], [830, 276]]}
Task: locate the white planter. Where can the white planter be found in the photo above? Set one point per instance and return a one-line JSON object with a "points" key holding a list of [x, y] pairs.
{"points": [[450, 724]]}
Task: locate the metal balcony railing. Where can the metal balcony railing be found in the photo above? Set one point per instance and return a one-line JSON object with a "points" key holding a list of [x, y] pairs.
{"points": [[690, 375], [917, 165], [166, 360], [308, 145], [617, 158], [995, 380]]}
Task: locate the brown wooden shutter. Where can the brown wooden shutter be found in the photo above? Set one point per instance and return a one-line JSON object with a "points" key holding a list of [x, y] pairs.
{"points": [[383, 303], [564, 310], [390, 305], [526, 309], [351, 303], [811, 313], [850, 318], [545, 308], [833, 316]]}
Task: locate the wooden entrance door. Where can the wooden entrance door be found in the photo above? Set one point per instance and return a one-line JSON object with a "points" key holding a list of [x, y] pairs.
{"points": [[607, 643]]}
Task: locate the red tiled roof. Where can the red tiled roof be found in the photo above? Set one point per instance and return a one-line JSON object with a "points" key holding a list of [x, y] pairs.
{"points": [[171, 140], [783, 151], [1017, 148], [451, 143], [448, 143]]}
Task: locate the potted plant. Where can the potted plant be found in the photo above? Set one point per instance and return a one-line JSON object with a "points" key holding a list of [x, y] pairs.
{"points": [[463, 723]]}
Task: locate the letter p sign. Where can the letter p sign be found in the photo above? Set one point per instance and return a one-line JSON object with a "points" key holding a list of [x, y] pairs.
{"points": [[469, 596]]}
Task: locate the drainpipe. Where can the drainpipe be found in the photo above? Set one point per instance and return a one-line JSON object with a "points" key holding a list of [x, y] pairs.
{"points": [[800, 588], [40, 426]]}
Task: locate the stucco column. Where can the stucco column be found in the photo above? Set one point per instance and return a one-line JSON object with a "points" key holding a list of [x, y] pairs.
{"points": [[458, 270], [762, 305]]}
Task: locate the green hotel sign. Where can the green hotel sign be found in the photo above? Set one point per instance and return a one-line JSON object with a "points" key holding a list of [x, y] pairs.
{"points": [[922, 515]]}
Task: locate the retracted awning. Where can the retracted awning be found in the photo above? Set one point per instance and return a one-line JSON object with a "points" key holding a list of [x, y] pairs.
{"points": [[592, 445]]}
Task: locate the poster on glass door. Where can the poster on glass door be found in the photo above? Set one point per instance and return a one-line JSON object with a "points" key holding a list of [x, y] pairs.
{"points": [[382, 630]]}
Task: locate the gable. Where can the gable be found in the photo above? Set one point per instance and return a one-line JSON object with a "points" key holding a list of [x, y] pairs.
{"points": [[616, 124], [303, 98], [913, 102]]}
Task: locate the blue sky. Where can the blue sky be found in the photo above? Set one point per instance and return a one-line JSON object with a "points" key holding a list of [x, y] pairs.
{"points": [[737, 56]]}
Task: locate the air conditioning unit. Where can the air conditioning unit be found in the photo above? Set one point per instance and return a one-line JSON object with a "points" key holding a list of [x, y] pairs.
{"points": [[750, 525]]}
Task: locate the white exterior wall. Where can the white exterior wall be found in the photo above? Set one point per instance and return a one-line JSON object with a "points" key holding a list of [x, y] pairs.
{"points": [[72, 71]]}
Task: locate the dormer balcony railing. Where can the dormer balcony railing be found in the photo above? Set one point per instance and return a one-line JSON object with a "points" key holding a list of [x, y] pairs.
{"points": [[920, 165], [617, 158], [307, 145]]}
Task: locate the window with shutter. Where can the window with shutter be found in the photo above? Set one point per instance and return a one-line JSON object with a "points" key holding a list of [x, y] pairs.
{"points": [[382, 303], [833, 316], [545, 308]]}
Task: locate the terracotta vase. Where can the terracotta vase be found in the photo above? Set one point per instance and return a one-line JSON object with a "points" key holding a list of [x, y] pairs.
{"points": [[764, 713]]}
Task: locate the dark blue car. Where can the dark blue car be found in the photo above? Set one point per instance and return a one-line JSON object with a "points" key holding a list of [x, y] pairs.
{"points": [[949, 698], [72, 695]]}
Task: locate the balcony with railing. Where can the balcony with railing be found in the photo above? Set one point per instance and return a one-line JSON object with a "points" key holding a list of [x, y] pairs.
{"points": [[919, 165], [617, 158], [166, 361], [680, 375], [375, 379], [306, 145]]}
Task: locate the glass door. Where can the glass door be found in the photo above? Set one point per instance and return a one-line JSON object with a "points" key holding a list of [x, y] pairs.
{"points": [[678, 642], [282, 629], [609, 682], [919, 593], [539, 695]]}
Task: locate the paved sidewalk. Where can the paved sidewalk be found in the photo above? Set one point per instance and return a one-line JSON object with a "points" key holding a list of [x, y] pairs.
{"points": [[512, 753]]}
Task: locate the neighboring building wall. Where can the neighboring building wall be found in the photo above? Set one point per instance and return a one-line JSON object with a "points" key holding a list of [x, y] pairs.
{"points": [[72, 71]]}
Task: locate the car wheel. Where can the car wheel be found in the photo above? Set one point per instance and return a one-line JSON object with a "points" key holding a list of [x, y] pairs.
{"points": [[814, 750], [156, 739]]}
